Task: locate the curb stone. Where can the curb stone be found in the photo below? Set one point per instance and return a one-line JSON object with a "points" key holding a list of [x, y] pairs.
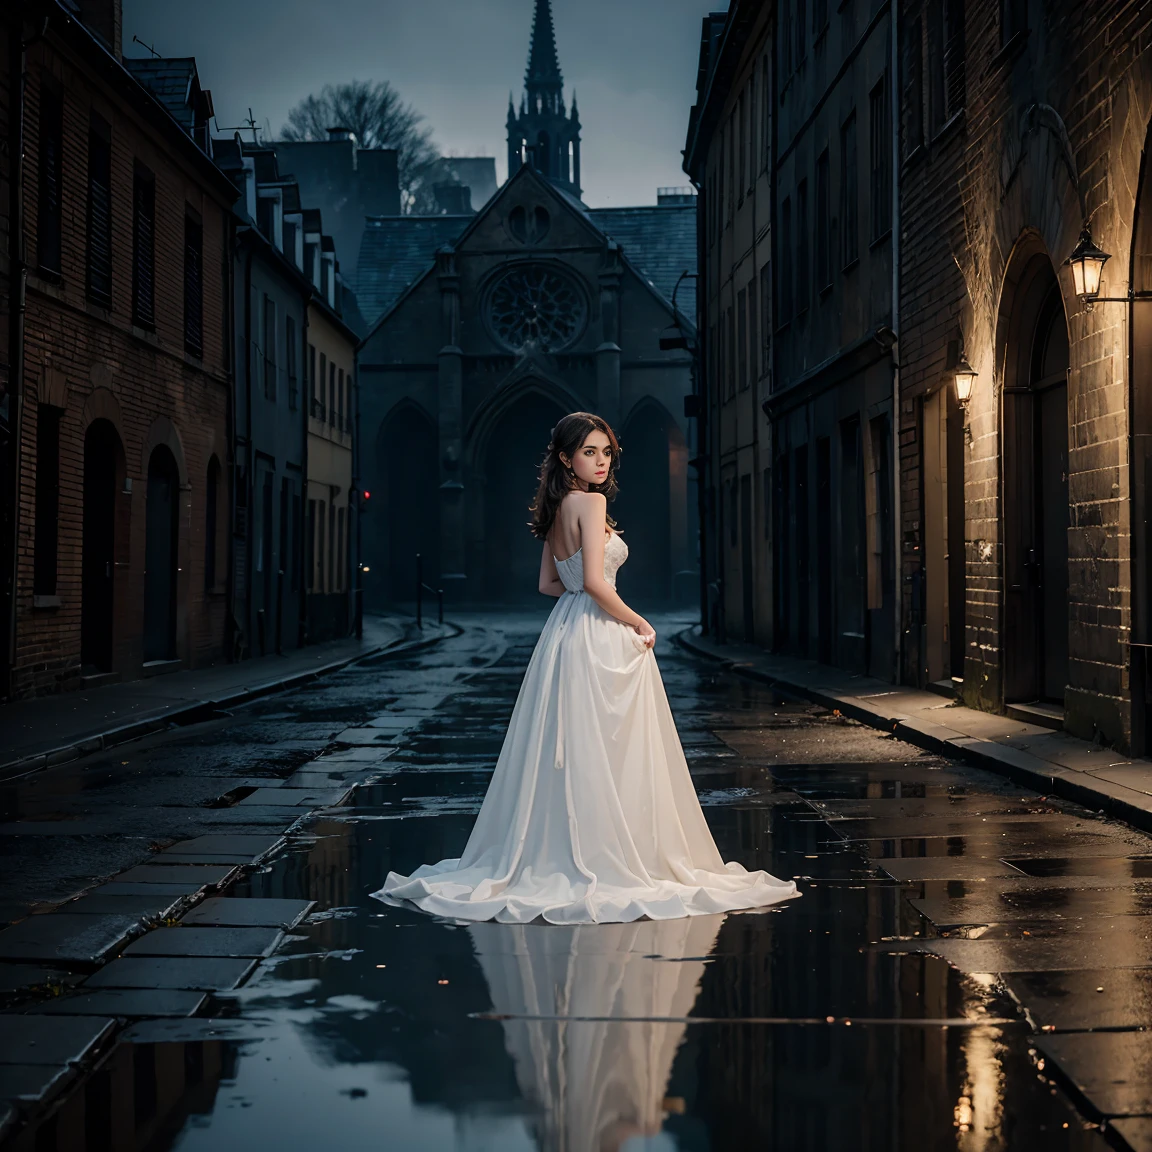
{"points": [[1017, 765], [188, 714]]}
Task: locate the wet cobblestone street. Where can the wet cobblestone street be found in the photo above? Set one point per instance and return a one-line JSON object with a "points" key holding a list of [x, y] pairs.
{"points": [[950, 925]]}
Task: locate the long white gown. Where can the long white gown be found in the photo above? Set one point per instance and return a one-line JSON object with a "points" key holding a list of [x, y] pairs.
{"points": [[591, 815]]}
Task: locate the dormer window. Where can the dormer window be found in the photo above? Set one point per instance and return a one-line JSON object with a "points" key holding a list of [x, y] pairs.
{"points": [[270, 216]]}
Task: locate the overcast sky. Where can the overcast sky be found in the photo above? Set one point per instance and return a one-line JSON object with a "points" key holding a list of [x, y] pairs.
{"points": [[631, 62]]}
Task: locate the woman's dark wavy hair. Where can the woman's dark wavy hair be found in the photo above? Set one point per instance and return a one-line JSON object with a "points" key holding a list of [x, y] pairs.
{"points": [[557, 480]]}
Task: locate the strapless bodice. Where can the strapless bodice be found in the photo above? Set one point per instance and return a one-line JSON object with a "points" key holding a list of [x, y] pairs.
{"points": [[572, 570]]}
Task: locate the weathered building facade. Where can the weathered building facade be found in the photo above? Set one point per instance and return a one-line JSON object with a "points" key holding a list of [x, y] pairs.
{"points": [[728, 157], [1025, 512], [122, 371], [493, 326], [331, 500]]}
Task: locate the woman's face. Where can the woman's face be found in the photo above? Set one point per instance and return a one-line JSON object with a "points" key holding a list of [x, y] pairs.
{"points": [[592, 459]]}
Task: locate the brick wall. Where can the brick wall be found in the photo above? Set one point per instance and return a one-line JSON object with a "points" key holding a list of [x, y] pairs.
{"points": [[94, 364], [1051, 135]]}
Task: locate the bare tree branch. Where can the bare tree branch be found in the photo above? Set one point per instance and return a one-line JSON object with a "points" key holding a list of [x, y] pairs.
{"points": [[379, 118]]}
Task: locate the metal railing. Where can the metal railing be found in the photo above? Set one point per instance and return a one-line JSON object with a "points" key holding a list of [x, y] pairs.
{"points": [[421, 588]]}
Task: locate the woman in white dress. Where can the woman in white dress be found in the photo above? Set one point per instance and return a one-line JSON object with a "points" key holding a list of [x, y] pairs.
{"points": [[591, 815]]}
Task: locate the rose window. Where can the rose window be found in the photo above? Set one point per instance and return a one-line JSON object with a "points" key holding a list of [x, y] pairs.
{"points": [[534, 304]]}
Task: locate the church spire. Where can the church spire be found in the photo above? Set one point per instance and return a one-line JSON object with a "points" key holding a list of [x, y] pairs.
{"points": [[543, 135], [543, 73]]}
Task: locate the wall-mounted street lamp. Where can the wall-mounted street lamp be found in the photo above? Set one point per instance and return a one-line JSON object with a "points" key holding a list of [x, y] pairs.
{"points": [[1087, 263], [965, 378]]}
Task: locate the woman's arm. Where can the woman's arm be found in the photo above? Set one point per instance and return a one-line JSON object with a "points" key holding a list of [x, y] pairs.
{"points": [[550, 582], [592, 510]]}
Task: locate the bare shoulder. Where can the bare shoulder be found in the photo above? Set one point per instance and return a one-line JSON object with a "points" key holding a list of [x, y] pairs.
{"points": [[587, 501]]}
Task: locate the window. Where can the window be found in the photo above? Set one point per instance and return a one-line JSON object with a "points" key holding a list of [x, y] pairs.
{"points": [[823, 223], [269, 348], [266, 217], [765, 317], [100, 211], [730, 354], [766, 118], [913, 87], [1013, 19], [801, 26], [339, 586], [297, 526], [742, 145], [331, 585], [733, 519], [310, 559], [946, 72], [880, 159], [143, 248], [786, 39], [348, 412], [753, 345], [332, 393], [819, 16], [742, 339], [290, 359], [784, 263], [802, 257], [849, 195], [48, 224], [211, 502], [321, 384], [731, 144], [319, 578], [752, 137], [193, 285], [46, 540], [312, 379], [340, 401]]}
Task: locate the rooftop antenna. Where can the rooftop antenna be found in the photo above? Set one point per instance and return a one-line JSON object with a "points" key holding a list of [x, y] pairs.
{"points": [[137, 40], [249, 125]]}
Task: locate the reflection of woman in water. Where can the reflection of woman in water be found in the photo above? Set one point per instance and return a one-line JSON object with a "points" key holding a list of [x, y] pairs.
{"points": [[593, 1017], [591, 815]]}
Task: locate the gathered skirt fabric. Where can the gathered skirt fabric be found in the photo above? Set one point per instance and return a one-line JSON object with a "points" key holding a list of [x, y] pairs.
{"points": [[591, 815]]}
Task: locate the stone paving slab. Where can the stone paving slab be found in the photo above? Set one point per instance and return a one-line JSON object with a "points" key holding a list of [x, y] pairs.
{"points": [[18, 977], [132, 1002], [1117, 948], [137, 888], [367, 736], [252, 847], [1087, 1000], [65, 939], [195, 1031], [201, 875], [945, 868], [209, 974], [1135, 1131], [362, 754], [145, 906], [1111, 1070], [219, 911], [50, 1040], [1000, 907], [293, 798], [33, 1082], [250, 942], [931, 806]]}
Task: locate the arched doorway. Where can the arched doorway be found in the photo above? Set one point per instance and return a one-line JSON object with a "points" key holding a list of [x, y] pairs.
{"points": [[516, 444], [407, 465], [102, 457], [644, 506], [161, 526], [1034, 351]]}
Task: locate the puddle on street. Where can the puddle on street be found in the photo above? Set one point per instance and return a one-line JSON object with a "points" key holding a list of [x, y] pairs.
{"points": [[379, 1027]]}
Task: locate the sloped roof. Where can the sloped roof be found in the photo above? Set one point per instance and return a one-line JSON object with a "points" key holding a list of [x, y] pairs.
{"points": [[395, 251], [170, 81], [660, 242]]}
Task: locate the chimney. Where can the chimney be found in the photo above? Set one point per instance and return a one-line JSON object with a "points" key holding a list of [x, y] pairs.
{"points": [[104, 19], [453, 199], [335, 134]]}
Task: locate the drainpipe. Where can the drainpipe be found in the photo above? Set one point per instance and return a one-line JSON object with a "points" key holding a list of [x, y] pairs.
{"points": [[249, 479], [17, 307], [897, 527], [230, 368], [305, 408]]}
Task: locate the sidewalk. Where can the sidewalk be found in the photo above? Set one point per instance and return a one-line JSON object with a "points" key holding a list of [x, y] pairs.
{"points": [[47, 730], [1051, 762]]}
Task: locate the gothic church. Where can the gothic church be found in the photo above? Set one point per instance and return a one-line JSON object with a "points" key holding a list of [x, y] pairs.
{"points": [[485, 330]]}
